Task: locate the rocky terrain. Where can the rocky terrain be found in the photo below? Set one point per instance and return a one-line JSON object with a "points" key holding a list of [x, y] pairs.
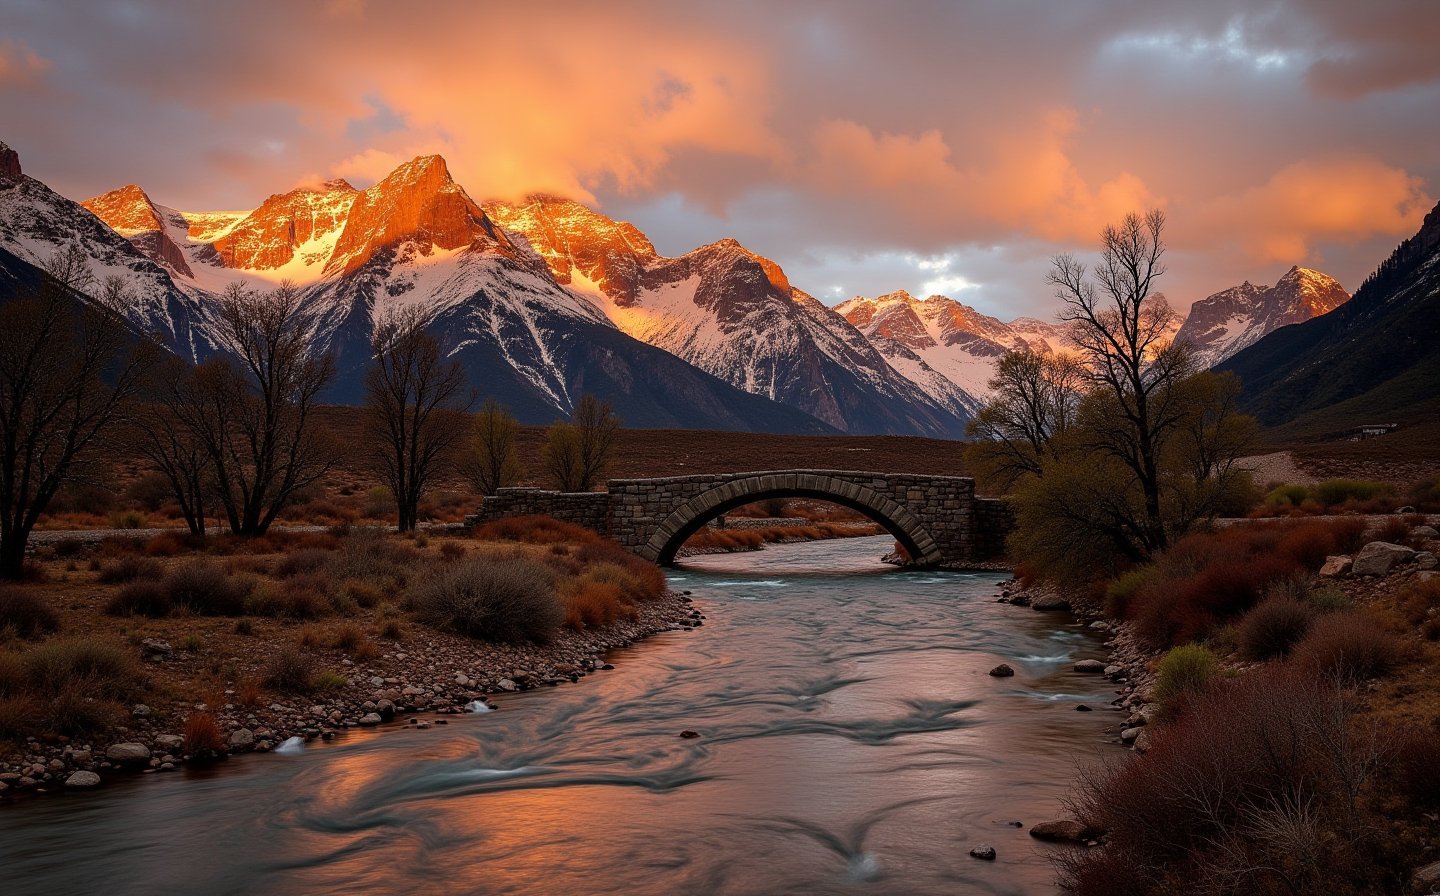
{"points": [[1220, 325]]}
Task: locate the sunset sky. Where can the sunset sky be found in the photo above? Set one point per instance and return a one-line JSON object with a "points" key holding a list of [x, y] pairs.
{"points": [[866, 147]]}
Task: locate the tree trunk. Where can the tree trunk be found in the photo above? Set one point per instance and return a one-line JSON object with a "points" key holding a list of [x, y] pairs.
{"points": [[12, 553]]}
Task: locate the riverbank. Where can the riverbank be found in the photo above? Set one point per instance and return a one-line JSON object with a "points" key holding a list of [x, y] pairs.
{"points": [[326, 634], [753, 534], [1335, 660]]}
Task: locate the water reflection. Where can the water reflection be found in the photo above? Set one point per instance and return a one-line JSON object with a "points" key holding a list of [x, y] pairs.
{"points": [[850, 741]]}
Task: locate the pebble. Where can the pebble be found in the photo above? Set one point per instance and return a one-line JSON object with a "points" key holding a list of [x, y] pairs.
{"points": [[1002, 671], [984, 852], [1092, 666]]}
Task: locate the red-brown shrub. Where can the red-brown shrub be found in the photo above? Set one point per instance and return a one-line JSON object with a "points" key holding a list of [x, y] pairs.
{"points": [[1414, 756], [1169, 612], [1273, 627], [592, 604], [1350, 645], [1393, 530], [534, 530], [167, 544], [203, 737], [130, 567], [25, 613], [1197, 819]]}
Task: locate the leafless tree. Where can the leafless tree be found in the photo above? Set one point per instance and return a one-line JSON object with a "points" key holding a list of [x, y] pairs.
{"points": [[173, 447], [494, 463], [578, 452], [68, 368], [1120, 326], [1034, 401], [254, 412], [415, 400]]}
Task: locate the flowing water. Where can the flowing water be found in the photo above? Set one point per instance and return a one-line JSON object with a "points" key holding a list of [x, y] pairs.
{"points": [[850, 742]]}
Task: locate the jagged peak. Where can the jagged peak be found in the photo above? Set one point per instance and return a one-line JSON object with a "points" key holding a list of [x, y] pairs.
{"points": [[127, 210], [9, 163], [419, 200]]}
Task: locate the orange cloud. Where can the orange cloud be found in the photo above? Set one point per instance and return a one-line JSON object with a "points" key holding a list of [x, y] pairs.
{"points": [[1344, 199], [20, 66], [1022, 179]]}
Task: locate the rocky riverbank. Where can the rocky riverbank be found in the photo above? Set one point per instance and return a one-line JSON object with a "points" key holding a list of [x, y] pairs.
{"points": [[423, 679]]}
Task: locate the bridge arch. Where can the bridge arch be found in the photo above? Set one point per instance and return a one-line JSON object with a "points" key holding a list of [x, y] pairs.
{"points": [[694, 513]]}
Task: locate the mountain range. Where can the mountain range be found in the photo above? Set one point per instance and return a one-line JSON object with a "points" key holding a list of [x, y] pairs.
{"points": [[544, 299]]}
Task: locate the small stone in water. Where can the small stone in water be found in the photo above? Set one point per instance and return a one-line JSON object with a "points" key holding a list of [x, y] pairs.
{"points": [[984, 852], [1082, 708], [1002, 671], [687, 733]]}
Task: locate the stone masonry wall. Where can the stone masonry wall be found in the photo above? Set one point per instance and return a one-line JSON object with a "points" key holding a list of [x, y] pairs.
{"points": [[962, 527]]}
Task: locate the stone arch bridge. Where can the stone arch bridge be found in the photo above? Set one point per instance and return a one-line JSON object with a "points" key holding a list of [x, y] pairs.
{"points": [[937, 519]]}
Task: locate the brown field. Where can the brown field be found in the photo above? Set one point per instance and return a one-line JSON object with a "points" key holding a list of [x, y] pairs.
{"points": [[114, 492]]}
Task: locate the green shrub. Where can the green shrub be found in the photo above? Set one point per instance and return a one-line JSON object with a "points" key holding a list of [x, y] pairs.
{"points": [[1275, 626], [1287, 496], [1337, 491], [1121, 591], [508, 600], [1329, 600], [1184, 673], [25, 613]]}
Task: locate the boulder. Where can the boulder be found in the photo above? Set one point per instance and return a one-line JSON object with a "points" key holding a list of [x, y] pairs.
{"points": [[506, 684], [1428, 533], [1002, 671], [83, 779], [1379, 557], [1062, 832], [1142, 741], [1090, 666], [128, 754], [1050, 602], [1336, 566], [1426, 560], [1129, 734], [371, 719], [242, 739], [170, 743], [983, 852]]}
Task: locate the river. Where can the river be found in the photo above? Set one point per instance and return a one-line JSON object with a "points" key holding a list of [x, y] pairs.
{"points": [[850, 741]]}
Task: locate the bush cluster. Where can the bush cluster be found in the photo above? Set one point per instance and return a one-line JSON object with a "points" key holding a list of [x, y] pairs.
{"points": [[508, 600], [1209, 579], [1258, 789], [71, 687]]}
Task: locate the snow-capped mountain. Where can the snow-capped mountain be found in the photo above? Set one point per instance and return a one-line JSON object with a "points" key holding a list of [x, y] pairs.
{"points": [[1222, 324], [414, 237], [955, 340], [734, 314]]}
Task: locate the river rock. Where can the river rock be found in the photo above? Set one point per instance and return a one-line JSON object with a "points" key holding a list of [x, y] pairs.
{"points": [[1050, 602], [170, 743], [1142, 741], [1428, 533], [1336, 566], [370, 719], [1426, 560], [140, 711], [128, 754], [1062, 832], [1129, 734], [1379, 557], [1090, 666], [1002, 671], [506, 684], [984, 852], [83, 779], [242, 739]]}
